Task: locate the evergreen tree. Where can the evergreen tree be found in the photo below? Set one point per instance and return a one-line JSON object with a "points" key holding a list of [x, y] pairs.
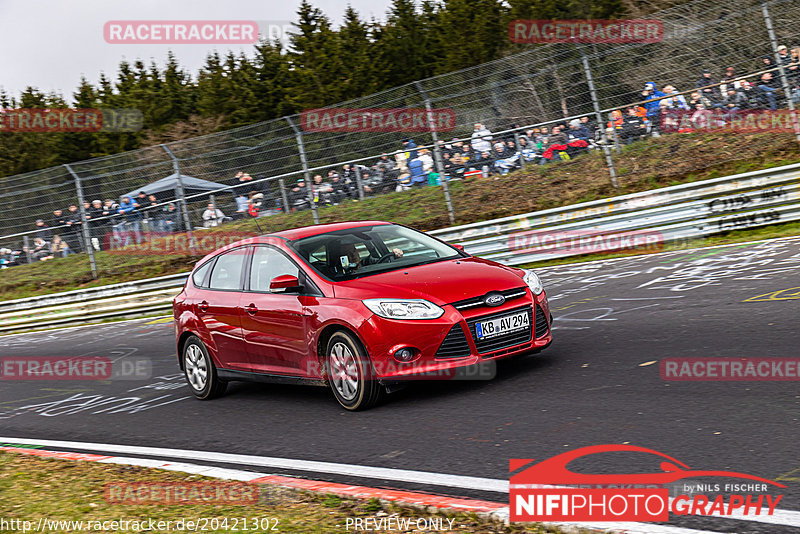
{"points": [[174, 100], [356, 56], [565, 9], [271, 82], [212, 87], [469, 32], [316, 70], [404, 46]]}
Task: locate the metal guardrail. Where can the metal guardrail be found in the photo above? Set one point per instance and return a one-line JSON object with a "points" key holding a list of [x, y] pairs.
{"points": [[94, 293], [669, 214], [126, 299], [672, 213]]}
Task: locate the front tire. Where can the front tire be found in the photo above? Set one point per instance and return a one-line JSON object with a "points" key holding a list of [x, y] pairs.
{"points": [[350, 374], [200, 372]]}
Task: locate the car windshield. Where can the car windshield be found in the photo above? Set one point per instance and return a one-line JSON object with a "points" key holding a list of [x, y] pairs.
{"points": [[366, 250]]}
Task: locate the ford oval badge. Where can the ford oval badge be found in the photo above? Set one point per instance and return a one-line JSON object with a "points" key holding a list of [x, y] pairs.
{"points": [[494, 299]]}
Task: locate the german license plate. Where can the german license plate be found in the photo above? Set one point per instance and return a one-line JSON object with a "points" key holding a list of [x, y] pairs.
{"points": [[502, 325]]}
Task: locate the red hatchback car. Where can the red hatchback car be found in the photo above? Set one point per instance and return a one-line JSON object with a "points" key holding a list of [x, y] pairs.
{"points": [[357, 306]]}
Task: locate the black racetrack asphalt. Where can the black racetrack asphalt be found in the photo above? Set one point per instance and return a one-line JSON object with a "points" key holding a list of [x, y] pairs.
{"points": [[599, 382]]}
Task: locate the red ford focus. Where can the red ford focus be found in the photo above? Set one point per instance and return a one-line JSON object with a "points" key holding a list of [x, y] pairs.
{"points": [[358, 306]]}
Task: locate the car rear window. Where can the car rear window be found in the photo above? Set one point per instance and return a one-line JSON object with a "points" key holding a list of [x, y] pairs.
{"points": [[199, 275], [227, 272]]}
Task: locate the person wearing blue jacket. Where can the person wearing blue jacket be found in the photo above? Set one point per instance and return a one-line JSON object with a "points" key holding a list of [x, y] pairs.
{"points": [[133, 219], [418, 176], [653, 107], [411, 147]]}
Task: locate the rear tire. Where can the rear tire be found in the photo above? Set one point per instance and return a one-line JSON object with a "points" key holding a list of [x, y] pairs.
{"points": [[200, 372], [350, 373]]}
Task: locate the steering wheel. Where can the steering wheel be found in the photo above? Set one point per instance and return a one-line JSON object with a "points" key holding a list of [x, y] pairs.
{"points": [[385, 257]]}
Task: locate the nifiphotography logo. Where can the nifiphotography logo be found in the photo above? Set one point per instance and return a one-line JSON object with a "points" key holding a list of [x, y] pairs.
{"points": [[549, 491]]}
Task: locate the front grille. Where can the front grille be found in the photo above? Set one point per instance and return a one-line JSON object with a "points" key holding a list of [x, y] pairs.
{"points": [[505, 340], [476, 302], [541, 323], [455, 344]]}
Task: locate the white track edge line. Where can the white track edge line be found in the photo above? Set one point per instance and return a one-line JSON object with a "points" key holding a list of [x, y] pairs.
{"points": [[780, 517], [501, 514]]}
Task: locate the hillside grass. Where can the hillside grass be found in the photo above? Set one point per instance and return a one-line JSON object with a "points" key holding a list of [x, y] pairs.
{"points": [[665, 161]]}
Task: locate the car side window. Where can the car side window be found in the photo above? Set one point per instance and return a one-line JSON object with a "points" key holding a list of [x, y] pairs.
{"points": [[199, 276], [227, 273], [269, 263]]}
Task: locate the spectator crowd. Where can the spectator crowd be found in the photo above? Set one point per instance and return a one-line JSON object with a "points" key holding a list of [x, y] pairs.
{"points": [[113, 224]]}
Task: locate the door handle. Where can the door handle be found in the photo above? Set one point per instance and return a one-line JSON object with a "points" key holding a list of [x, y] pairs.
{"points": [[251, 309], [203, 306]]}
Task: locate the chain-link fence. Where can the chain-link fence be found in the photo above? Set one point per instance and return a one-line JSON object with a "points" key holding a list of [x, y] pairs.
{"points": [[551, 103]]}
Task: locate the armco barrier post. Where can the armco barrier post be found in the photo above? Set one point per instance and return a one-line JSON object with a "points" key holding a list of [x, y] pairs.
{"points": [[521, 158], [187, 223], [598, 117], [301, 148], [359, 181], [283, 195], [782, 71], [27, 244], [87, 240], [617, 146], [437, 154]]}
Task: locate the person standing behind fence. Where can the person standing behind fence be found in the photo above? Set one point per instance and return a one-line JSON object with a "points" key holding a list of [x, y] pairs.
{"points": [[43, 231], [171, 216], [73, 235], [767, 92], [111, 222], [212, 216], [711, 93], [417, 169], [97, 225], [133, 220], [481, 139], [411, 147], [653, 107]]}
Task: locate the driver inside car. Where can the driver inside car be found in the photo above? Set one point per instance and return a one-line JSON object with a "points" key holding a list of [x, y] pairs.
{"points": [[351, 259]]}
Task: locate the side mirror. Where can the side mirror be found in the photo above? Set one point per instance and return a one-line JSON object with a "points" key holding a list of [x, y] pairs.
{"points": [[285, 282], [459, 247]]}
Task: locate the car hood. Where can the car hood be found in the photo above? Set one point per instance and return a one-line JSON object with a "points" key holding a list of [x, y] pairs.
{"points": [[442, 282]]}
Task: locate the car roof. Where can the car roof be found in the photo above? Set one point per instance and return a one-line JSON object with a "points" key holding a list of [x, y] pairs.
{"points": [[317, 229], [291, 235]]}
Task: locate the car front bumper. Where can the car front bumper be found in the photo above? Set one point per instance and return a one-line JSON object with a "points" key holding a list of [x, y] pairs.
{"points": [[447, 347]]}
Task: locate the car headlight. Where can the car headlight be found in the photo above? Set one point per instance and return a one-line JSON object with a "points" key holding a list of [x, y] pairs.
{"points": [[533, 281], [404, 308]]}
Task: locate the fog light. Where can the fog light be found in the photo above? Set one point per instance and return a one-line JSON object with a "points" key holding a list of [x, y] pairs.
{"points": [[404, 355]]}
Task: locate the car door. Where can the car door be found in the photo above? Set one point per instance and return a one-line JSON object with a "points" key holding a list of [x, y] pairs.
{"points": [[273, 323], [220, 305]]}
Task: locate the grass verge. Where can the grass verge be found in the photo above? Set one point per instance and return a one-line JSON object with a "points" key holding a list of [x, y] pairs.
{"points": [[62, 490], [668, 160]]}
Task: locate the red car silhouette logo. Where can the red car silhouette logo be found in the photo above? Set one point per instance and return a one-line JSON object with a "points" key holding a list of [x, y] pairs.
{"points": [[554, 470]]}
